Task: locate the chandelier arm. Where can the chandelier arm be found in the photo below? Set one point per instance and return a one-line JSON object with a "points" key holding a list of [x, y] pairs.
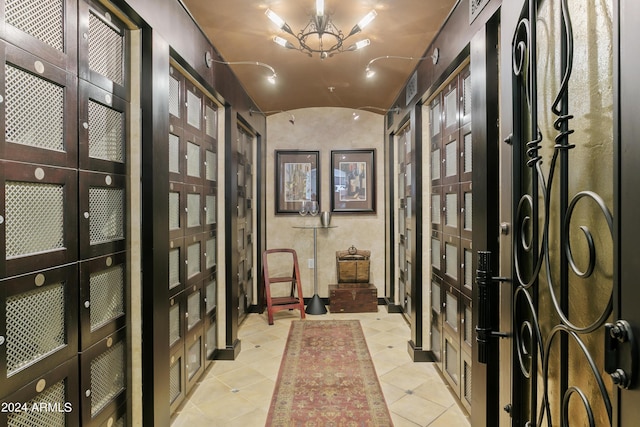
{"points": [[347, 37], [286, 28]]}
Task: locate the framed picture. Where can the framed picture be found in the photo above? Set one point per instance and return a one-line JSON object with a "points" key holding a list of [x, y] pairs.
{"points": [[353, 181], [297, 179]]}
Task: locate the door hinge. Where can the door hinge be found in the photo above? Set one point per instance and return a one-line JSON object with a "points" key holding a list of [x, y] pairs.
{"points": [[620, 353], [484, 329]]}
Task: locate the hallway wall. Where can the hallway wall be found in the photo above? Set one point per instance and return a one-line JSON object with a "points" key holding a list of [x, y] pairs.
{"points": [[323, 130]]}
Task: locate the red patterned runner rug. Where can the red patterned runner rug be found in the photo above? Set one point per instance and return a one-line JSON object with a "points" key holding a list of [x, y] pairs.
{"points": [[327, 379]]}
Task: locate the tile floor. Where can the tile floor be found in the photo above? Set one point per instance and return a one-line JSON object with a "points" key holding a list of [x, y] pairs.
{"points": [[238, 393]]}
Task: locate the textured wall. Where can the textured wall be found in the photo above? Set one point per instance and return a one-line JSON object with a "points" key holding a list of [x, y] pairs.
{"points": [[323, 130]]}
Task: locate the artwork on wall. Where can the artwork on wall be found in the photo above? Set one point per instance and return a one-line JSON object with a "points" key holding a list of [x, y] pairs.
{"points": [[353, 181], [297, 179]]}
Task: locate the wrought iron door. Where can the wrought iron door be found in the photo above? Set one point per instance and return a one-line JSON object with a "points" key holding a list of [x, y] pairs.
{"points": [[563, 184]]}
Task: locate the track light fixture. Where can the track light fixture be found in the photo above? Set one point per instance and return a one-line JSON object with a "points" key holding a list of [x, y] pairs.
{"points": [[272, 78], [434, 57], [320, 35], [356, 115], [292, 118]]}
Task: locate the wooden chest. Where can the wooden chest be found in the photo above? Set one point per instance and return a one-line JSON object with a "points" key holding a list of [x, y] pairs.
{"points": [[353, 298], [352, 266]]}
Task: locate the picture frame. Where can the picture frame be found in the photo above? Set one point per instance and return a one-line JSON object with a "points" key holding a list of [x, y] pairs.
{"points": [[353, 181], [297, 179]]}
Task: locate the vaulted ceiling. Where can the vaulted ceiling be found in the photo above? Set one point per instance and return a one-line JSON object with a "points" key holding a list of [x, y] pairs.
{"points": [[240, 31]]}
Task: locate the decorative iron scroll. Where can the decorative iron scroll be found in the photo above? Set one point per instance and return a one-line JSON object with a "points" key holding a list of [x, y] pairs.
{"points": [[532, 249]]}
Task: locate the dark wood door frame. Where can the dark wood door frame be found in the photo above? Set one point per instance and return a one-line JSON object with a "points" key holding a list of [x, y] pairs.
{"points": [[155, 208], [485, 136], [627, 197]]}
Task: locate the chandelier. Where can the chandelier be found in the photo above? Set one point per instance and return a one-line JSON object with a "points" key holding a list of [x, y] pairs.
{"points": [[320, 35]]}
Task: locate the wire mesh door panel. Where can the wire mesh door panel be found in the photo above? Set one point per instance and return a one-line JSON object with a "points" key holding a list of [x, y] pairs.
{"points": [[103, 377], [42, 26], [102, 133], [103, 49], [39, 324], [51, 400], [103, 294], [103, 219], [39, 217], [177, 382], [39, 102]]}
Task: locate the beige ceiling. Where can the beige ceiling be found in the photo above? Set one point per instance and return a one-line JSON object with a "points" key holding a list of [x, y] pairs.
{"points": [[240, 31]]}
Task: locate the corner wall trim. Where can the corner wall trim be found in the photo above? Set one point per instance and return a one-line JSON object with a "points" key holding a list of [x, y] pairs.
{"points": [[228, 353], [393, 308], [418, 354]]}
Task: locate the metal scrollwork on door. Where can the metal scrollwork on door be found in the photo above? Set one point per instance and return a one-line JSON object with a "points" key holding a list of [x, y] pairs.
{"points": [[563, 227]]}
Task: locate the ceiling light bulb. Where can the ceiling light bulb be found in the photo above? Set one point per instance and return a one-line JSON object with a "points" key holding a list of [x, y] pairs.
{"points": [[356, 116], [283, 42], [370, 72], [272, 79], [367, 19], [319, 7], [279, 40], [359, 45], [363, 22], [363, 43], [275, 18]]}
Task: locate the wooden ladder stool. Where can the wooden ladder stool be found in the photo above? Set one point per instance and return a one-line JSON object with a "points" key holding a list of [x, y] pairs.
{"points": [[292, 301]]}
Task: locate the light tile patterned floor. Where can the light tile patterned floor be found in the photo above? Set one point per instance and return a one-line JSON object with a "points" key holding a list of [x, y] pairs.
{"points": [[238, 393]]}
